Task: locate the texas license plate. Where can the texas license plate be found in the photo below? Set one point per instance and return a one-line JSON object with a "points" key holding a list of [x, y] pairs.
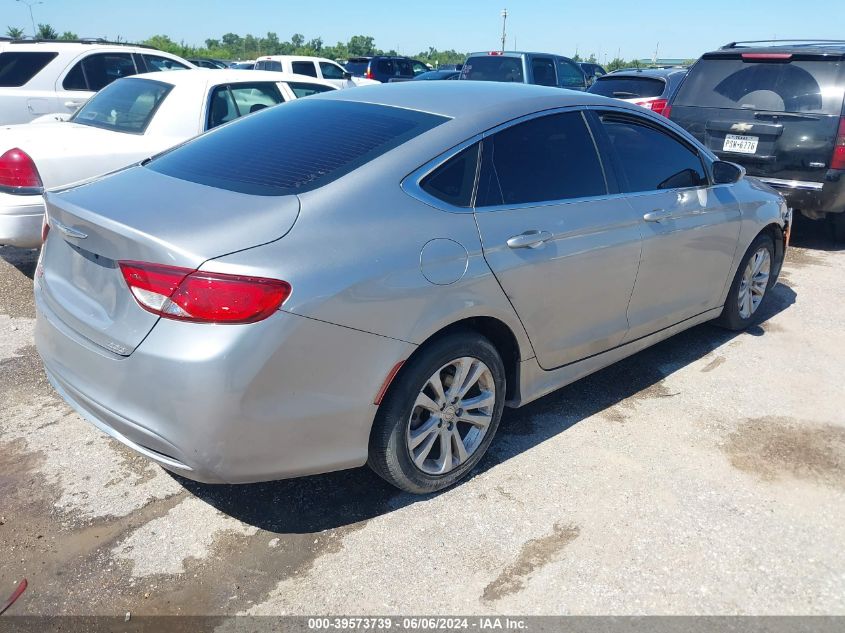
{"points": [[740, 144]]}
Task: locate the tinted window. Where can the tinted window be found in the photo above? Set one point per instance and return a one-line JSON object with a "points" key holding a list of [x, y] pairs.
{"points": [[651, 160], [230, 102], [268, 64], [18, 68], [571, 76], [628, 87], [158, 64], [303, 89], [124, 106], [304, 68], [454, 181], [303, 146], [358, 68], [548, 158], [385, 67], [404, 68], [331, 71], [543, 69], [796, 86], [98, 71], [419, 68], [493, 68]]}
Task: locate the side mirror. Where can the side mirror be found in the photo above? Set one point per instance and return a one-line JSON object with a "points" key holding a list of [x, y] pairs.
{"points": [[725, 173], [347, 74]]}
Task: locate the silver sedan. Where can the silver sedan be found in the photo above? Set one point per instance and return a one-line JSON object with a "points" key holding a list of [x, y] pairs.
{"points": [[279, 297]]}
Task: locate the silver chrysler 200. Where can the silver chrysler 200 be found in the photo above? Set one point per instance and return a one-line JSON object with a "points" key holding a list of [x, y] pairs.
{"points": [[370, 276]]}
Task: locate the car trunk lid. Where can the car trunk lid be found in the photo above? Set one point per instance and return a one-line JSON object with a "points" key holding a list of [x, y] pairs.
{"points": [[178, 223]]}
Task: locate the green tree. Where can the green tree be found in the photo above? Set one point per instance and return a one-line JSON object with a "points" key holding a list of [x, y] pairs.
{"points": [[616, 64], [70, 35], [297, 40], [577, 58], [163, 43], [361, 45], [14, 32], [46, 32]]}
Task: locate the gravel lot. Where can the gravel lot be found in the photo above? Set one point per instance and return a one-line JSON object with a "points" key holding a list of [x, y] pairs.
{"points": [[703, 476]]}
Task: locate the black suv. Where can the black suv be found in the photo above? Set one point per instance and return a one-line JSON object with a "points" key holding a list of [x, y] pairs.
{"points": [[775, 107], [386, 69]]}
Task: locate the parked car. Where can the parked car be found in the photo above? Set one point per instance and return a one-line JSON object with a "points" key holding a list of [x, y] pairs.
{"points": [[127, 121], [650, 88], [450, 67], [590, 230], [777, 109], [592, 71], [543, 69], [247, 65], [438, 74], [47, 77], [318, 67], [204, 62], [386, 69]]}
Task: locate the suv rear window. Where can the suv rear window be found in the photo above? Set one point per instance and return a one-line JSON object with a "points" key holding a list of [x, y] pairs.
{"points": [[628, 87], [493, 68], [310, 145], [800, 85], [357, 67], [16, 69]]}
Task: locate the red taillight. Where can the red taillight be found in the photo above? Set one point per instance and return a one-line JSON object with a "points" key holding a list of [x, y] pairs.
{"points": [[496, 53], [838, 160], [369, 73], [667, 111], [18, 172], [655, 105], [193, 295], [768, 56]]}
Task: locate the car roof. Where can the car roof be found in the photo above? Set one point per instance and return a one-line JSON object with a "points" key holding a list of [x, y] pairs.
{"points": [[834, 48], [295, 58], [647, 72], [60, 45], [221, 76], [513, 54]]}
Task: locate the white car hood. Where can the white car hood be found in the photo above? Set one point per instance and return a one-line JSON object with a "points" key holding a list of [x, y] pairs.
{"points": [[65, 153]]}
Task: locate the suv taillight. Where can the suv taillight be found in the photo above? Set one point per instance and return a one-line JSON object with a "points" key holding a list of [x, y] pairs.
{"points": [[657, 106], [838, 160], [18, 173], [185, 294], [369, 73]]}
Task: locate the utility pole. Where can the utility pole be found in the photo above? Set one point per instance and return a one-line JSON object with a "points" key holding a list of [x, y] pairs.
{"points": [[30, 4], [504, 21], [656, 54]]}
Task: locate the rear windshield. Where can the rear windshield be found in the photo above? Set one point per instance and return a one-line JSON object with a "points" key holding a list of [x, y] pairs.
{"points": [[628, 87], [796, 86], [493, 68], [127, 105], [357, 68], [295, 148], [18, 68]]}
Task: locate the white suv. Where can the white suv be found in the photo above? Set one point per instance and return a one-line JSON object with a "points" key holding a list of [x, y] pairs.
{"points": [[318, 67], [51, 77]]}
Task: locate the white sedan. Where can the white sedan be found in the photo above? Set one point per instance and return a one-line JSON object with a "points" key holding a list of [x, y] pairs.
{"points": [[126, 122]]}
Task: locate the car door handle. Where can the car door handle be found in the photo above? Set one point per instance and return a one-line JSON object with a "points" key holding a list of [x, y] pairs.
{"points": [[657, 215], [529, 239], [73, 104]]}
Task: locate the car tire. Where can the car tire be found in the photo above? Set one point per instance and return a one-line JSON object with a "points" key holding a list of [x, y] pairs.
{"points": [[744, 302], [411, 443]]}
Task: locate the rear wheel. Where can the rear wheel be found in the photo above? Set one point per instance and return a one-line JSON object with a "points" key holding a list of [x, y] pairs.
{"points": [[440, 414], [750, 286]]}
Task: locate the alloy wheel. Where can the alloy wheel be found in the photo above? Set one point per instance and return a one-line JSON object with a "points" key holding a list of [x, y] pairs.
{"points": [[754, 283]]}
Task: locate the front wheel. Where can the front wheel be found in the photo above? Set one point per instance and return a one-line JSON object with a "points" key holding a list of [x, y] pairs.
{"points": [[750, 286], [440, 414]]}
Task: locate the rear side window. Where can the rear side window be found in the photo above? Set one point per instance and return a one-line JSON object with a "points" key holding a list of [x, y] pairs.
{"points": [[812, 86], [493, 68], [290, 150], [231, 102], [385, 67], [125, 106], [404, 68], [454, 181], [651, 160], [303, 89], [16, 69], [545, 159], [331, 71], [628, 87], [304, 68], [156, 63], [97, 71], [543, 69]]}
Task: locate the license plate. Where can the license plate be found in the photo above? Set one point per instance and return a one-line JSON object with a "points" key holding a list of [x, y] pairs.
{"points": [[740, 144]]}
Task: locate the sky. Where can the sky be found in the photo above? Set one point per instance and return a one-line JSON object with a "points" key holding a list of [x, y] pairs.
{"points": [[681, 29]]}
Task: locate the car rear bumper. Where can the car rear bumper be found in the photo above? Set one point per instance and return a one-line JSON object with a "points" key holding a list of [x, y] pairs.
{"points": [[285, 397], [20, 220], [809, 196]]}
